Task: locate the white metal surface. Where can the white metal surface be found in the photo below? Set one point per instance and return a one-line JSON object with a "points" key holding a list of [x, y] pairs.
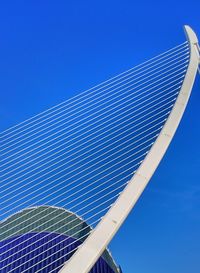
{"points": [[88, 253]]}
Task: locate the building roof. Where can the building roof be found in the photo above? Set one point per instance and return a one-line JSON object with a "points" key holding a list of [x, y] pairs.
{"points": [[50, 219]]}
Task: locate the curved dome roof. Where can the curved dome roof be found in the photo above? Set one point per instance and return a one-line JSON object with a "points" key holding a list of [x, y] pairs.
{"points": [[42, 221]]}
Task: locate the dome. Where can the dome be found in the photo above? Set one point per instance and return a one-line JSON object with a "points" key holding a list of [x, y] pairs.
{"points": [[30, 244]]}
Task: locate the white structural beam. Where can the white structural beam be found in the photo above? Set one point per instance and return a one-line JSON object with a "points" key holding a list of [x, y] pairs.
{"points": [[88, 253]]}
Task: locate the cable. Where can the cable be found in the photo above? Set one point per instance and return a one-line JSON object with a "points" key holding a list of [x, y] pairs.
{"points": [[108, 151], [78, 122], [8, 131], [83, 105], [136, 136], [53, 170], [81, 138], [114, 165], [133, 132]]}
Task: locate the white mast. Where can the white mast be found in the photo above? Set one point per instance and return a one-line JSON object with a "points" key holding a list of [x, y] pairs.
{"points": [[88, 253]]}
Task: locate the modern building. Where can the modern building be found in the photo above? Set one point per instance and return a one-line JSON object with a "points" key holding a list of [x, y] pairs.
{"points": [[41, 239]]}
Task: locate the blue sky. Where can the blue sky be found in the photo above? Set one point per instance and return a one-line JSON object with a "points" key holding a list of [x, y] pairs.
{"points": [[51, 50]]}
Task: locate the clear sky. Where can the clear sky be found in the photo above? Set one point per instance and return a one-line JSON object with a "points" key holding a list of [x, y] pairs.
{"points": [[51, 50]]}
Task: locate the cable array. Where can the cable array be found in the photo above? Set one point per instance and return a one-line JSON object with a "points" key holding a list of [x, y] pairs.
{"points": [[79, 155]]}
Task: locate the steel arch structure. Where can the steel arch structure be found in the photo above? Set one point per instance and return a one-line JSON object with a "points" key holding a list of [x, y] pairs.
{"points": [[92, 155], [92, 248]]}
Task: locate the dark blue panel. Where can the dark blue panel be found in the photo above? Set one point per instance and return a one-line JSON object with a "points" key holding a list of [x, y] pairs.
{"points": [[39, 251]]}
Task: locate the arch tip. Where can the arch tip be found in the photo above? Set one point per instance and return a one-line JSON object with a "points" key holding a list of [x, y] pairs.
{"points": [[190, 34]]}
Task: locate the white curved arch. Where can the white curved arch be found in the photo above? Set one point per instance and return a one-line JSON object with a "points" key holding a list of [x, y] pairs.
{"points": [[88, 253]]}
